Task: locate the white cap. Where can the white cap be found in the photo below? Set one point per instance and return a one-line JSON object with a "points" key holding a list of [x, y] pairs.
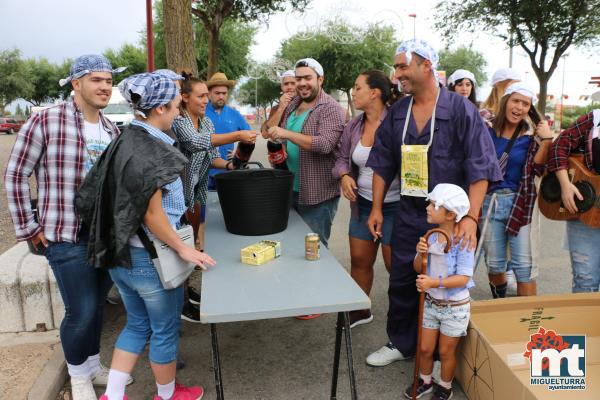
{"points": [[461, 74], [504, 74], [521, 88], [286, 74], [451, 197], [312, 63]]}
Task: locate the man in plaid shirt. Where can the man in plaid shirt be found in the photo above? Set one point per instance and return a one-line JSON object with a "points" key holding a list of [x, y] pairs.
{"points": [[311, 125], [581, 137], [60, 145]]}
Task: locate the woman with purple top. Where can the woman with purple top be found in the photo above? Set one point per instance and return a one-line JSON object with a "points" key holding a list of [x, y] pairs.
{"points": [[372, 94]]}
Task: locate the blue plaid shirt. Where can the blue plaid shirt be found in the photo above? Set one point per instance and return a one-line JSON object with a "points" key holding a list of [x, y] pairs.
{"points": [[173, 201]]}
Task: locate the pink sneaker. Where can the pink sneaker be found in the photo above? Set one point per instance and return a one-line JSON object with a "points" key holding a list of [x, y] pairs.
{"points": [[185, 393], [103, 397]]}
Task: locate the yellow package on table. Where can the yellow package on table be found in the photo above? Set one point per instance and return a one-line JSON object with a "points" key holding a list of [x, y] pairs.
{"points": [[261, 252]]}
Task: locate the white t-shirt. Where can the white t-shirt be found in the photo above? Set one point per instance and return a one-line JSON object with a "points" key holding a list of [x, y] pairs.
{"points": [[96, 141], [365, 176]]}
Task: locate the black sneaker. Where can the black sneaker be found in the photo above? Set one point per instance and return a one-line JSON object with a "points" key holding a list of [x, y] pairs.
{"points": [[421, 389], [441, 393], [190, 313], [193, 296], [360, 317]]}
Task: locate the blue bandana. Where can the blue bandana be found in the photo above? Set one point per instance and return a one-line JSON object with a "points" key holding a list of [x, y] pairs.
{"points": [[167, 73], [85, 64], [154, 90]]}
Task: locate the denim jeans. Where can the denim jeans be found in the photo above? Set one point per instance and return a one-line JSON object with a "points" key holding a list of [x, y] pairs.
{"points": [[83, 290], [318, 217], [584, 247], [152, 312], [496, 241]]}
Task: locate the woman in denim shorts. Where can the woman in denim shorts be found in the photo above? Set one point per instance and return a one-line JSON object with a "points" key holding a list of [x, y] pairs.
{"points": [[372, 94], [513, 199]]}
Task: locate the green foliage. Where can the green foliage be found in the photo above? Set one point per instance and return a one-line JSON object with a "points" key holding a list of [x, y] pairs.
{"points": [[130, 56], [570, 115], [235, 40], [463, 57], [234, 45], [543, 29], [268, 92], [16, 77], [245, 10], [343, 50], [44, 77]]}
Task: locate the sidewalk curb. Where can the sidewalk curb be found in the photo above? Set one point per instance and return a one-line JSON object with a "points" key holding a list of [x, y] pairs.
{"points": [[52, 378]]}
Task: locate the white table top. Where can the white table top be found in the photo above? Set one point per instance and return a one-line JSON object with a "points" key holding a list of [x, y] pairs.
{"points": [[284, 287]]}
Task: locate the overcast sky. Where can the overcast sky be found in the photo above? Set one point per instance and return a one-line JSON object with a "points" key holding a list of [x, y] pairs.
{"points": [[59, 29]]}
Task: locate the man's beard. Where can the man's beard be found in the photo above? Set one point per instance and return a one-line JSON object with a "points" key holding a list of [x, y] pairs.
{"points": [[313, 95]]}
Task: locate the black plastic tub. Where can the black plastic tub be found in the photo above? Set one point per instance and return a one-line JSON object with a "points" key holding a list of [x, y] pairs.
{"points": [[255, 201]]}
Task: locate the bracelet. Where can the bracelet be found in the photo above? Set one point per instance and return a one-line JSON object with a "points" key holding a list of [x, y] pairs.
{"points": [[441, 284], [476, 220]]}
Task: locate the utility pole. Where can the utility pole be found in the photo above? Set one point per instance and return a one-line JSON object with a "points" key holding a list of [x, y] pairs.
{"points": [[510, 49], [414, 17]]}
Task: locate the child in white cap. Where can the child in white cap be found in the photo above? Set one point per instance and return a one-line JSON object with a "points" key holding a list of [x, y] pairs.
{"points": [[447, 283]]}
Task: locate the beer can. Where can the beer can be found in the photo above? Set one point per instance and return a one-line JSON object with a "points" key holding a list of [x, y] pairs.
{"points": [[312, 247]]}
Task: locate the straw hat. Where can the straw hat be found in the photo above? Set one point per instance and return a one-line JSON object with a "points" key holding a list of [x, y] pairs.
{"points": [[220, 79]]}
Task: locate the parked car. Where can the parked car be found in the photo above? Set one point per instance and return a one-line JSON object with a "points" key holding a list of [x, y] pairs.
{"points": [[10, 125]]}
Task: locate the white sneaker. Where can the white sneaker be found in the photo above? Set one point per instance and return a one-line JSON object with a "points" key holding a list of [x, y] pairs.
{"points": [[100, 378], [511, 281], [82, 389], [385, 356]]}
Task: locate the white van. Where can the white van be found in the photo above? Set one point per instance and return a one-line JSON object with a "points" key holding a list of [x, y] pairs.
{"points": [[118, 110]]}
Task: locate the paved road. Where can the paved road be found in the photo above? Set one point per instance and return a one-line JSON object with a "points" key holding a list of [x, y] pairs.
{"points": [[285, 358]]}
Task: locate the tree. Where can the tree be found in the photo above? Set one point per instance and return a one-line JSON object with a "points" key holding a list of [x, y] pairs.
{"points": [[63, 70], [44, 77], [19, 113], [16, 78], [543, 29], [179, 38], [214, 13], [344, 51], [464, 58], [130, 56], [234, 45], [268, 91], [234, 49]]}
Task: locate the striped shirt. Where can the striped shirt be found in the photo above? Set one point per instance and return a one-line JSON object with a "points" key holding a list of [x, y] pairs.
{"points": [[197, 146], [52, 145], [325, 123]]}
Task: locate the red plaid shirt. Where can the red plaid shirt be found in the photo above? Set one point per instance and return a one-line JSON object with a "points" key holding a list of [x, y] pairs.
{"points": [[522, 209], [51, 144], [325, 123], [574, 139]]}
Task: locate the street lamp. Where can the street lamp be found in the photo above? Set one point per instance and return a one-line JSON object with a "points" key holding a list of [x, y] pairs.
{"points": [[414, 17]]}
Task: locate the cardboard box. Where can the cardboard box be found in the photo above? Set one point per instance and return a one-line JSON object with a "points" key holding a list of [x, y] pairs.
{"points": [[490, 360], [261, 252]]}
